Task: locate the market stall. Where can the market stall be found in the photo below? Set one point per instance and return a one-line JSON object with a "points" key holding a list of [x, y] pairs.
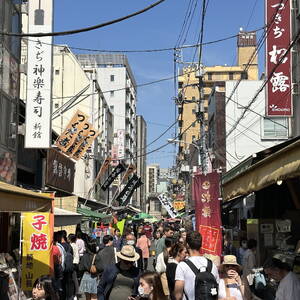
{"points": [[16, 205]]}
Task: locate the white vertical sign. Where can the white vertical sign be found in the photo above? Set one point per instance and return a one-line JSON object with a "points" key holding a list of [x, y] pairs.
{"points": [[166, 203], [39, 75], [121, 143]]}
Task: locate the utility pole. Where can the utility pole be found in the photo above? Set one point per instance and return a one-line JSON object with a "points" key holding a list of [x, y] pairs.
{"points": [[200, 113]]}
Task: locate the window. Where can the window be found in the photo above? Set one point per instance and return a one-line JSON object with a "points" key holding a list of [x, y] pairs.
{"points": [[157, 205], [112, 93], [112, 77], [244, 75], [230, 76], [209, 76], [56, 72], [275, 128], [180, 84]]}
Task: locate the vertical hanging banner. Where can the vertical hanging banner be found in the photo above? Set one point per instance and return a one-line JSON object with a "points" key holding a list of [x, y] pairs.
{"points": [[278, 92], [36, 247], [39, 75], [73, 133], [208, 217], [112, 176], [133, 183], [166, 203]]}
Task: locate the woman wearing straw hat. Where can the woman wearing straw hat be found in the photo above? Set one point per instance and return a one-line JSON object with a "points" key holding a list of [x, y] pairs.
{"points": [[233, 286], [120, 280]]}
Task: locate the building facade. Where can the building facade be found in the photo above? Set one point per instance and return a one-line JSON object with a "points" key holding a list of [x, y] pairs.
{"points": [[10, 16], [117, 82], [152, 180], [188, 92], [77, 89], [139, 200]]}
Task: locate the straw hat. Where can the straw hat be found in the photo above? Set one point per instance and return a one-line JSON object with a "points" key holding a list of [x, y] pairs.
{"points": [[230, 260], [128, 253]]}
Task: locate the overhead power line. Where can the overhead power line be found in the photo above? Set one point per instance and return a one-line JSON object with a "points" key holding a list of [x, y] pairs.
{"points": [[264, 84], [75, 31], [147, 50]]}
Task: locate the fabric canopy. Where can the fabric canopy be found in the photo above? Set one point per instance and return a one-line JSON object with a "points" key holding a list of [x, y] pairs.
{"points": [[64, 217], [17, 199], [281, 165], [93, 215]]}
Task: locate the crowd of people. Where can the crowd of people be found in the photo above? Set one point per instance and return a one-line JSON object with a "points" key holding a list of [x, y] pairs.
{"points": [[116, 267]]}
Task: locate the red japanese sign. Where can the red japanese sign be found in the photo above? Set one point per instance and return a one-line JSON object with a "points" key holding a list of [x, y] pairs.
{"points": [[278, 92], [208, 217]]}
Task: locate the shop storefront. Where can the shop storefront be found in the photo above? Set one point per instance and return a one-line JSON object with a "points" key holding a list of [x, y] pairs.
{"points": [[261, 197], [14, 203]]}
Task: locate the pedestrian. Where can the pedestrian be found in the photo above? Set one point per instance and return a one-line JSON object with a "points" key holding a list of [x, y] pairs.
{"points": [[120, 281], [72, 240], [228, 248], [80, 243], [289, 282], [162, 259], [150, 287], [57, 262], [144, 244], [233, 285], [241, 251], [249, 261], [130, 240], [182, 237], [117, 239], [107, 256], [89, 264], [148, 230], [43, 289], [160, 246], [177, 253], [185, 277]]}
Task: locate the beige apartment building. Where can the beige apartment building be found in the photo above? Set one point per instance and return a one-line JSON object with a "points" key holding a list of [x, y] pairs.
{"points": [[188, 82]]}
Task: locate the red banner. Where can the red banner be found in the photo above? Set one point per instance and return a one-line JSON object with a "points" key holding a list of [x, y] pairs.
{"points": [[208, 217], [278, 92]]}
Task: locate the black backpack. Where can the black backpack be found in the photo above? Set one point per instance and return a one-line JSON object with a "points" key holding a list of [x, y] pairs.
{"points": [[68, 263], [206, 286]]}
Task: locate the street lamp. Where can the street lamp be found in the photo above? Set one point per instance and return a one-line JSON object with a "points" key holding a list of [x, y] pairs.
{"points": [[174, 141]]}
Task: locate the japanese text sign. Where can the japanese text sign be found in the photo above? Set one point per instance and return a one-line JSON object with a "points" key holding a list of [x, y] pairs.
{"points": [[36, 251], [208, 217], [179, 205], [112, 176], [60, 171], [73, 134], [166, 203], [278, 92], [39, 76]]}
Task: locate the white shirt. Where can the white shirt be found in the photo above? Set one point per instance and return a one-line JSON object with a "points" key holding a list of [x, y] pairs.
{"points": [[249, 262], [160, 263], [234, 291], [184, 272], [75, 253], [289, 288]]}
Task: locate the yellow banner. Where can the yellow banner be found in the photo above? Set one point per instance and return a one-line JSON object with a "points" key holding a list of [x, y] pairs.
{"points": [[179, 205], [36, 249]]}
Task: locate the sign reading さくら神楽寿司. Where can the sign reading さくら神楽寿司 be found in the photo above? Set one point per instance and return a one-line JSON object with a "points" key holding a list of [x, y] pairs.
{"points": [[39, 76], [278, 91]]}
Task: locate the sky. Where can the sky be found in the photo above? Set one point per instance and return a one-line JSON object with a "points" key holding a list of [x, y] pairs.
{"points": [[156, 29]]}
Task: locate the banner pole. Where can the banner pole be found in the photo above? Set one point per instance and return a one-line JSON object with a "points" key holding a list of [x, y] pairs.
{"points": [[20, 257]]}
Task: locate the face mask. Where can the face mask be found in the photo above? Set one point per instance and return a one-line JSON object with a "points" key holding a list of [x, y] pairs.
{"points": [[131, 243], [141, 292]]}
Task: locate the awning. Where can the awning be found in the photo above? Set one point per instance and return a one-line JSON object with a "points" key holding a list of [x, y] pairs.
{"points": [[281, 165], [93, 215], [16, 199], [64, 217]]}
